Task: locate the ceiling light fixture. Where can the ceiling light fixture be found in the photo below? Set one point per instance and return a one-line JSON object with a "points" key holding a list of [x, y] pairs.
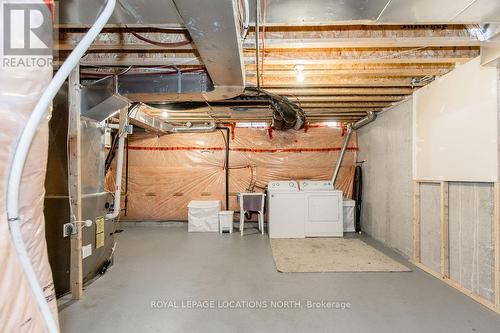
{"points": [[299, 73]]}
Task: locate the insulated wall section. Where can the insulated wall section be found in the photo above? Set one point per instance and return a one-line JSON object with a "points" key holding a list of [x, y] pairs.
{"points": [[385, 144], [471, 237]]}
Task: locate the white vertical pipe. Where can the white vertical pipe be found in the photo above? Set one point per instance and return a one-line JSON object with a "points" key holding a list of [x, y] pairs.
{"points": [[342, 153], [118, 181]]}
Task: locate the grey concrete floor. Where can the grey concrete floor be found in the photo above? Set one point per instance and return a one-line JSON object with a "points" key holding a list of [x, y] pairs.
{"points": [[168, 264]]}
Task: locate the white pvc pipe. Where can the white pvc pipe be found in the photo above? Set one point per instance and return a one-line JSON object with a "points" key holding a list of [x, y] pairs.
{"points": [[118, 187], [246, 24], [21, 153]]}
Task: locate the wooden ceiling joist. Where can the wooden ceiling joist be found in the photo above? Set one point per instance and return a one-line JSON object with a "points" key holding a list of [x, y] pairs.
{"points": [[348, 69], [340, 72], [346, 81], [352, 92], [377, 42], [353, 98]]}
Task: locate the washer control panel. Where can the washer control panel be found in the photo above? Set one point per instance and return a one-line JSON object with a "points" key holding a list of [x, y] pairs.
{"points": [[283, 186]]}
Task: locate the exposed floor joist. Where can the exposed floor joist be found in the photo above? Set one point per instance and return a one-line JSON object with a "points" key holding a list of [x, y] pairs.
{"points": [[347, 69]]}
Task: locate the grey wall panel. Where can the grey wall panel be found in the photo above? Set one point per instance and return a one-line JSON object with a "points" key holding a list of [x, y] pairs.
{"points": [[430, 224], [471, 241], [387, 190]]}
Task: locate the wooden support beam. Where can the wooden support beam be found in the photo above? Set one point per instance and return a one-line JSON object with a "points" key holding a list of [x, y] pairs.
{"points": [[481, 300], [123, 47], [455, 58], [416, 222], [444, 212], [344, 81], [369, 42], [75, 182], [367, 99], [341, 29], [327, 104], [302, 57], [432, 54], [353, 66], [338, 91], [340, 72]]}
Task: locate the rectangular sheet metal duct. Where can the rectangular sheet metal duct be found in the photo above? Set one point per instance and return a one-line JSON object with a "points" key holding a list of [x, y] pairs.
{"points": [[99, 100], [214, 28], [158, 87]]}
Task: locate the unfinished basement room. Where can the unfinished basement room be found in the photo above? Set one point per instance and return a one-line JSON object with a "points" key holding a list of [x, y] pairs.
{"points": [[249, 166]]}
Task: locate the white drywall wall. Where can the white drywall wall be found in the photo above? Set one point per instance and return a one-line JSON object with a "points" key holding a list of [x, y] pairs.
{"points": [[455, 126]]}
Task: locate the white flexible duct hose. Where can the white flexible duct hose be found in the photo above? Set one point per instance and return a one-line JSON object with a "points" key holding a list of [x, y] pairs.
{"points": [[21, 153]]}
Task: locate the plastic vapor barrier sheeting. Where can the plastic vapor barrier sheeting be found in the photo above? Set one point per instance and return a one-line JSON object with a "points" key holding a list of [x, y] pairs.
{"points": [[167, 172], [20, 89]]}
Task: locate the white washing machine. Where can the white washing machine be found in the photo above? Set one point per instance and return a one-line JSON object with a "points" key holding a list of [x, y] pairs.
{"points": [[285, 204], [323, 209]]}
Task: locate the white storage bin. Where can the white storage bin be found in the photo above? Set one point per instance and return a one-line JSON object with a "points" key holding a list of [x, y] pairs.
{"points": [[226, 221], [203, 216], [349, 208]]}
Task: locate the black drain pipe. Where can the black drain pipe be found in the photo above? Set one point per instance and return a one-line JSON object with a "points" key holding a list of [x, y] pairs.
{"points": [[126, 178], [227, 162]]}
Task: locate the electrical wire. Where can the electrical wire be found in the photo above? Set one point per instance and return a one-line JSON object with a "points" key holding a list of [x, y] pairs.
{"points": [[264, 12], [257, 31], [162, 44]]}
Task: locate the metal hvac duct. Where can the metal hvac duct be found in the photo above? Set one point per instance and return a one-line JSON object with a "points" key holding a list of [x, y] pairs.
{"points": [[214, 30], [144, 120], [194, 128]]}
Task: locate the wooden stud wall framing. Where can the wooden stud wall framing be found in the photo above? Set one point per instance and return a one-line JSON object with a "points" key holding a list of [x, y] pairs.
{"points": [[445, 251], [444, 275], [416, 222], [75, 182]]}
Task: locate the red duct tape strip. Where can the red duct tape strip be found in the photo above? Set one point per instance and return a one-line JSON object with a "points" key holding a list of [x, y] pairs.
{"points": [[247, 150]]}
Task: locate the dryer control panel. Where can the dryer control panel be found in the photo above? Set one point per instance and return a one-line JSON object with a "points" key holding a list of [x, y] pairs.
{"points": [[316, 185]]}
